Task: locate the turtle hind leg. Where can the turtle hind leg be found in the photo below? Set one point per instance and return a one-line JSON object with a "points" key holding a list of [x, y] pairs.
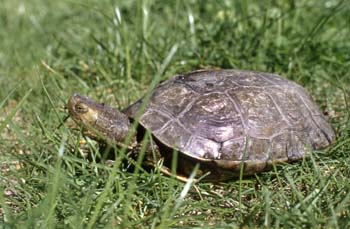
{"points": [[180, 177]]}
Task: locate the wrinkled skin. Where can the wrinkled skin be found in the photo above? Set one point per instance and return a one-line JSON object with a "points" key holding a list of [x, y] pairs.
{"points": [[219, 118]]}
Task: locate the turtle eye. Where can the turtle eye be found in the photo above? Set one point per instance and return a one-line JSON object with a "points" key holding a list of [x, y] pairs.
{"points": [[80, 108]]}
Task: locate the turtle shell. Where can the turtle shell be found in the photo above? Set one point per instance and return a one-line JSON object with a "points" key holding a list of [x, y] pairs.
{"points": [[230, 116]]}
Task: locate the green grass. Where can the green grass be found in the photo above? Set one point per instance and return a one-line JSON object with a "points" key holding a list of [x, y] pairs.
{"points": [[111, 51]]}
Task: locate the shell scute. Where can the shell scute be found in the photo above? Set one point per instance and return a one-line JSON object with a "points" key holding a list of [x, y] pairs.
{"points": [[231, 116]]}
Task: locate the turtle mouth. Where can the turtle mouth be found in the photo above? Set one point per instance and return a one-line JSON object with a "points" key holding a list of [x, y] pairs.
{"points": [[71, 123], [78, 127]]}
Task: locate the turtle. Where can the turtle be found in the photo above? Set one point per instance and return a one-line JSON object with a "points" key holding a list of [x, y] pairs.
{"points": [[228, 122]]}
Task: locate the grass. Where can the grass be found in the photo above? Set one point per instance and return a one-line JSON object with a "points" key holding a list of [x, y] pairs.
{"points": [[111, 51]]}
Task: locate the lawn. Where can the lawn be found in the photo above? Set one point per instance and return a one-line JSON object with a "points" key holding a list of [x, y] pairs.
{"points": [[112, 51]]}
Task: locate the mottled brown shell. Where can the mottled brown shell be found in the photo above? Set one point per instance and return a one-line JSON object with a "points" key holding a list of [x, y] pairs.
{"points": [[230, 116]]}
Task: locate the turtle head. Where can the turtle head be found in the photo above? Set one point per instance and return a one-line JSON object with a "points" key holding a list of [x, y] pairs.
{"points": [[98, 120]]}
